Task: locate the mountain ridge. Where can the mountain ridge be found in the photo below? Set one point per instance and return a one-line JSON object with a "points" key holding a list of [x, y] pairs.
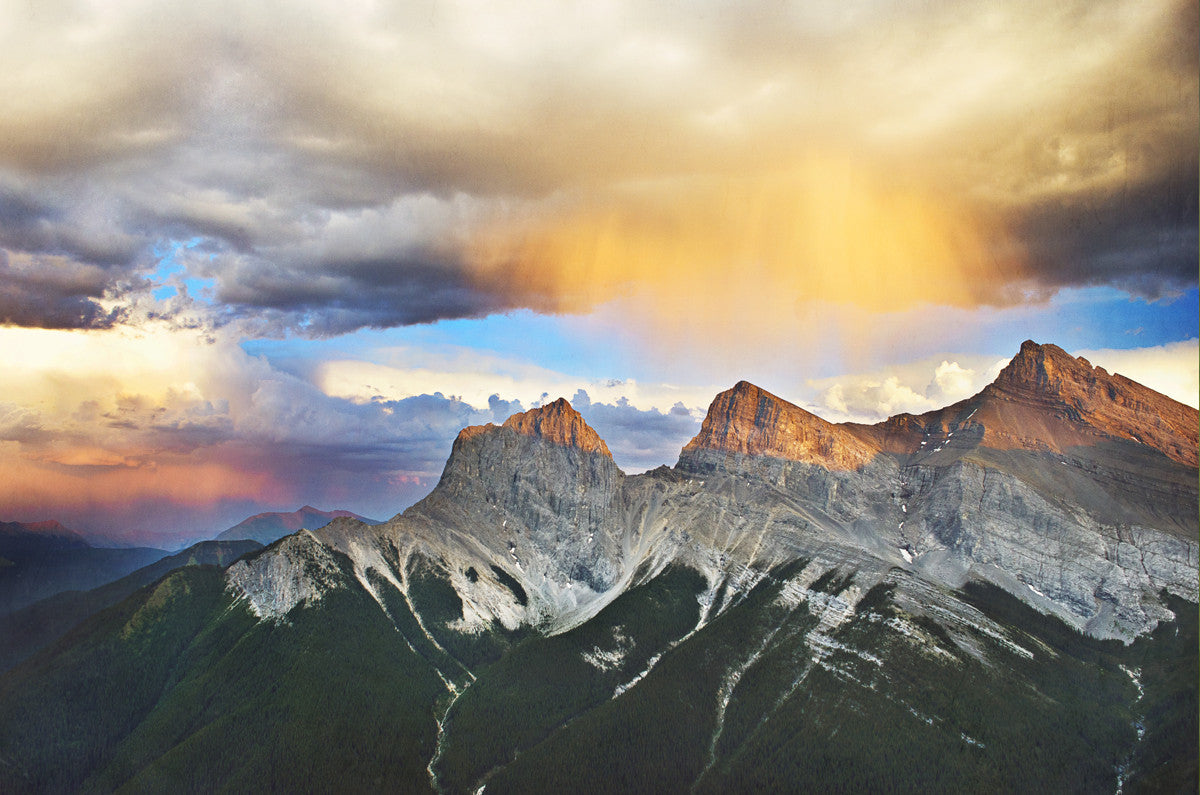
{"points": [[942, 456], [557, 422], [1083, 404], [40, 623], [45, 534], [270, 526], [923, 492], [1109, 404]]}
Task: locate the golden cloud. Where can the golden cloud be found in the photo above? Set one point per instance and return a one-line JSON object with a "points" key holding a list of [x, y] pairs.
{"points": [[753, 251]]}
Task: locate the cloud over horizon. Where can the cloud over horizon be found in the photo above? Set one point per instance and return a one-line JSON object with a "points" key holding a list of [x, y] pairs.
{"points": [[159, 435]]}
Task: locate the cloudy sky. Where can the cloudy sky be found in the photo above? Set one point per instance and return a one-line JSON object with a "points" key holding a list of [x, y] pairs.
{"points": [[255, 255]]}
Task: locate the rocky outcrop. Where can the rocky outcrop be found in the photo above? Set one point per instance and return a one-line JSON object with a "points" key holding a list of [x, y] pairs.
{"points": [[968, 520], [561, 424], [750, 421], [295, 570], [537, 496], [1087, 402], [1045, 400]]}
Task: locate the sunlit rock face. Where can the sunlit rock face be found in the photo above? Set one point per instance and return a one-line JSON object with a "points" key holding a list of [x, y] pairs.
{"points": [[537, 497], [749, 421], [1075, 397]]}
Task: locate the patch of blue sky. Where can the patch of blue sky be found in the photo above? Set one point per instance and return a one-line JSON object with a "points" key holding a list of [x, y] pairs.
{"points": [[1104, 317], [170, 273], [1076, 318], [555, 342]]}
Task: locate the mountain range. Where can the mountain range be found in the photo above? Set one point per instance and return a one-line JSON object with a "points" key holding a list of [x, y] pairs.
{"points": [[997, 595], [272, 526], [35, 626], [40, 559]]}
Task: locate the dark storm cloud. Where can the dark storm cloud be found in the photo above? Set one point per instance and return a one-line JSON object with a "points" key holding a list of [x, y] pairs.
{"points": [[1143, 238], [60, 255], [70, 226], [330, 298], [54, 292]]}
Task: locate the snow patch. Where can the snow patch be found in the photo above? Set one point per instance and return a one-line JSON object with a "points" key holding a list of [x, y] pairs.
{"points": [[1135, 676], [653, 661], [969, 740], [919, 637], [921, 717]]}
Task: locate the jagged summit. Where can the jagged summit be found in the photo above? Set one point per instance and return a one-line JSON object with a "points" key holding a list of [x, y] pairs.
{"points": [[1044, 367], [1046, 400], [557, 422], [1084, 402], [750, 421], [560, 423]]}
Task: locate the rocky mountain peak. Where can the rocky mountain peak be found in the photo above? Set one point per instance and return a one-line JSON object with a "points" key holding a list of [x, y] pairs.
{"points": [[49, 530], [273, 525], [536, 496], [560, 423], [1090, 399], [1048, 369], [49, 527], [750, 421]]}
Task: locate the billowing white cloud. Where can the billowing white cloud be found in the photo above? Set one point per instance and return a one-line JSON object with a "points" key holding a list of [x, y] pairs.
{"points": [[474, 376], [166, 432], [912, 388]]}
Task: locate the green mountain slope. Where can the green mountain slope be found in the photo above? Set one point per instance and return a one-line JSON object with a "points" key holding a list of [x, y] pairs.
{"points": [[799, 682], [180, 686], [33, 627]]}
